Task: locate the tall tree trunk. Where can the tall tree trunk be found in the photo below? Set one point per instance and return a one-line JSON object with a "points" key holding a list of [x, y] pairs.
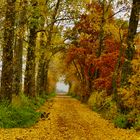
{"points": [[40, 74], [130, 51], [48, 45], [44, 63], [46, 69], [18, 50], [7, 58], [126, 70], [133, 24], [42, 77], [29, 81]]}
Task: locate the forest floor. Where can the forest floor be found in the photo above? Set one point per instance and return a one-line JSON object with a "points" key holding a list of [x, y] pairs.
{"points": [[68, 119]]}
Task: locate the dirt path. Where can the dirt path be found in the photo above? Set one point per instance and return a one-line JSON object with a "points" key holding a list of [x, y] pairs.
{"points": [[69, 120]]}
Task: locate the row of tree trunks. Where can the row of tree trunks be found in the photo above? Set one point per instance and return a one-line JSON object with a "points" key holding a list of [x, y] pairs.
{"points": [[44, 60], [13, 48]]}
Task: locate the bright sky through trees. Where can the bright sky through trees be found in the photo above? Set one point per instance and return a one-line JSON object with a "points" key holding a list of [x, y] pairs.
{"points": [[60, 86]]}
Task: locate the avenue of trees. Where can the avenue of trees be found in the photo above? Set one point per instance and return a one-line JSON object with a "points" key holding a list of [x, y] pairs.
{"points": [[31, 34], [85, 41]]}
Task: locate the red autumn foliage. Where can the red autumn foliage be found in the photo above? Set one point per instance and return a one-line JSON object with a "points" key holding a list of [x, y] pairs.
{"points": [[84, 51]]}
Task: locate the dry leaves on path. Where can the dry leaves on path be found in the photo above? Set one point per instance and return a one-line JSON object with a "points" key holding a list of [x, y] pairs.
{"points": [[68, 119]]}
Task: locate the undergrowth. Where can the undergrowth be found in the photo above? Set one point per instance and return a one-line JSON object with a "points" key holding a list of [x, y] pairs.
{"points": [[104, 105], [21, 112], [73, 95]]}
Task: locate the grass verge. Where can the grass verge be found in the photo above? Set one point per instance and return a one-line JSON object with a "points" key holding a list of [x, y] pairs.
{"points": [[21, 112]]}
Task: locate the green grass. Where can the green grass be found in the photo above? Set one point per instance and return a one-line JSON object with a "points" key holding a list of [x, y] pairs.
{"points": [[51, 95], [73, 95], [22, 111], [12, 116]]}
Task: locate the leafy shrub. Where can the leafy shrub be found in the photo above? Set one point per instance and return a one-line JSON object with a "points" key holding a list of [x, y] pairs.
{"points": [[137, 123], [53, 94], [121, 121], [37, 102], [103, 104], [75, 90], [111, 111], [75, 96], [130, 96], [97, 100]]}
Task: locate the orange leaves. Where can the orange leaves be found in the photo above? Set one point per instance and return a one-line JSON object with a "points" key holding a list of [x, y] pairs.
{"points": [[92, 34], [106, 66], [75, 53], [103, 83], [111, 45], [95, 7]]}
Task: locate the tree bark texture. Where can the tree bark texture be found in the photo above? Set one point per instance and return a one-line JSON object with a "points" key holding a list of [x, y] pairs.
{"points": [[29, 81], [7, 58], [44, 63], [133, 24], [18, 49]]}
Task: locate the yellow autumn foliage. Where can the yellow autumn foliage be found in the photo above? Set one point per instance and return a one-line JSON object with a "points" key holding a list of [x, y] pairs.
{"points": [[130, 95], [96, 101], [100, 102]]}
